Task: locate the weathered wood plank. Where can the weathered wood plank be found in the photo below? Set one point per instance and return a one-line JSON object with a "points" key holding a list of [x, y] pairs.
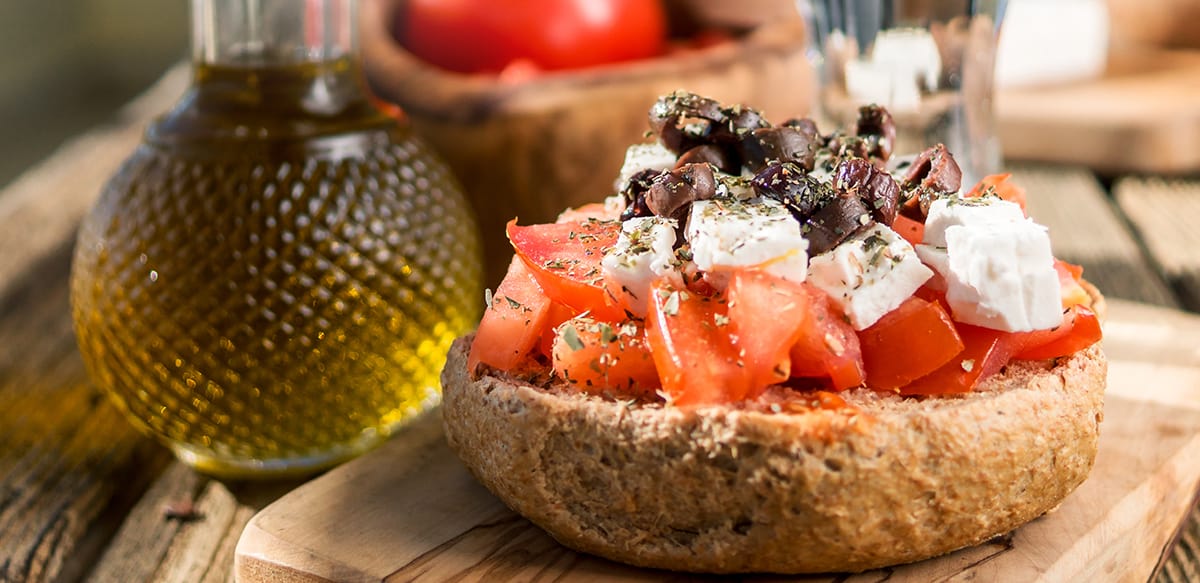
{"points": [[154, 546], [70, 465], [1086, 229], [1165, 213]]}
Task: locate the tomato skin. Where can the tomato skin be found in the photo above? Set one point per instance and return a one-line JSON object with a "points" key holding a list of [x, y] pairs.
{"points": [[1000, 185], [693, 351], [513, 324], [907, 343], [596, 357], [768, 315], [1069, 277], [564, 258], [912, 230], [827, 347], [473, 36], [985, 352], [559, 313], [1080, 329]]}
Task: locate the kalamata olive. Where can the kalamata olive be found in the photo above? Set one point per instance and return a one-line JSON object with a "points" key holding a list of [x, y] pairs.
{"points": [[761, 146], [671, 193], [669, 110], [791, 185], [709, 154], [674, 119], [933, 174], [877, 189], [742, 118], [876, 127], [804, 125], [634, 194], [833, 223], [847, 146]]}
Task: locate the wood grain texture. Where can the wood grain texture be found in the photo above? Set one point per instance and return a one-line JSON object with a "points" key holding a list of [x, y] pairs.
{"points": [[410, 511], [1086, 229], [70, 465], [1140, 116], [1164, 214]]}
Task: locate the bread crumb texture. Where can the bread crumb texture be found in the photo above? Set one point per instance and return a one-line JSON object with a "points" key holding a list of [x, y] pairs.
{"points": [[741, 489]]}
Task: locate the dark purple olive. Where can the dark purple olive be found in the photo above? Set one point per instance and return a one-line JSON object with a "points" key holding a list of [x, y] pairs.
{"points": [[672, 193], [835, 222], [792, 186], [709, 154], [634, 194], [877, 189], [876, 127], [669, 110], [932, 175], [782, 144]]}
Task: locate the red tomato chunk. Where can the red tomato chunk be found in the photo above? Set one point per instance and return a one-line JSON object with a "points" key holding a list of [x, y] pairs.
{"points": [[908, 343], [513, 323]]}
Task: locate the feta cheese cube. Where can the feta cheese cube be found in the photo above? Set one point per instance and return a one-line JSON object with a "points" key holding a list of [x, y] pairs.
{"points": [[869, 274], [999, 275], [969, 212], [644, 251], [640, 157], [727, 233]]}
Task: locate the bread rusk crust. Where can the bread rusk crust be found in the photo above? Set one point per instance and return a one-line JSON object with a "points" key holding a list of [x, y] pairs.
{"points": [[740, 488]]}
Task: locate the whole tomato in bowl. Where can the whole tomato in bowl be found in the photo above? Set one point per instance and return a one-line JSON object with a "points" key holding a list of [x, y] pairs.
{"points": [[474, 36]]}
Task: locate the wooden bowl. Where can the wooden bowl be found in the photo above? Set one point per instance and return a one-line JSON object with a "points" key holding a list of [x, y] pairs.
{"points": [[530, 149]]}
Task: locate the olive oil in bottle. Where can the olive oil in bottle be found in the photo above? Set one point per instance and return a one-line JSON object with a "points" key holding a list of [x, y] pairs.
{"points": [[270, 283]]}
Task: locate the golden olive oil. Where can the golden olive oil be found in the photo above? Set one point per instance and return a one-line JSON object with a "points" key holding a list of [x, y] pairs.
{"points": [[271, 282]]}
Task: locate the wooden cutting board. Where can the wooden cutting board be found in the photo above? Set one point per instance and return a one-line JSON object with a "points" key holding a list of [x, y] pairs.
{"points": [[411, 512], [1142, 115]]}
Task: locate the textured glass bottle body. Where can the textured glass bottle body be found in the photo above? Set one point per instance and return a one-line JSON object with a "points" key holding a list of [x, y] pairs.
{"points": [[269, 288]]}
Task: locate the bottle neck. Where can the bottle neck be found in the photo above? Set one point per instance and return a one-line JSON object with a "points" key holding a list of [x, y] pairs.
{"points": [[269, 70], [258, 33]]}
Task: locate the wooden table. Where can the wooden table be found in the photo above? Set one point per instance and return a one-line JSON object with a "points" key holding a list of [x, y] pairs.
{"points": [[83, 496]]}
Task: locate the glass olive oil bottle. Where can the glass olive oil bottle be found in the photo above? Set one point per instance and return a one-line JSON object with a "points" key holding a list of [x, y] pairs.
{"points": [[270, 283]]}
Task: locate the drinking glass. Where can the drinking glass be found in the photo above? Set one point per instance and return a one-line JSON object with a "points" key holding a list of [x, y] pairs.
{"points": [[929, 62]]}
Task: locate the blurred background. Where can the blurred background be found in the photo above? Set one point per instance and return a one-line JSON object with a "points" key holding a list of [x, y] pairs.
{"points": [[68, 65]]}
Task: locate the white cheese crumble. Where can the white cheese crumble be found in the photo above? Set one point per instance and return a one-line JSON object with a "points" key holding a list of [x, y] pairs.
{"points": [[644, 251], [999, 275], [640, 157], [869, 274], [727, 233], [967, 212]]}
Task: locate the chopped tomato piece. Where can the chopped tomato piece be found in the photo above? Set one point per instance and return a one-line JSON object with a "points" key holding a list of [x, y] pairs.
{"points": [[559, 313], [1001, 186], [1069, 277], [564, 258], [912, 230], [1080, 329], [693, 351], [827, 347], [984, 352], [934, 290], [908, 343], [513, 323], [768, 314], [597, 356], [592, 210]]}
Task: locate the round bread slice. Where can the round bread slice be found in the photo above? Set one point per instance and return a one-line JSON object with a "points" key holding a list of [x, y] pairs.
{"points": [[781, 484]]}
